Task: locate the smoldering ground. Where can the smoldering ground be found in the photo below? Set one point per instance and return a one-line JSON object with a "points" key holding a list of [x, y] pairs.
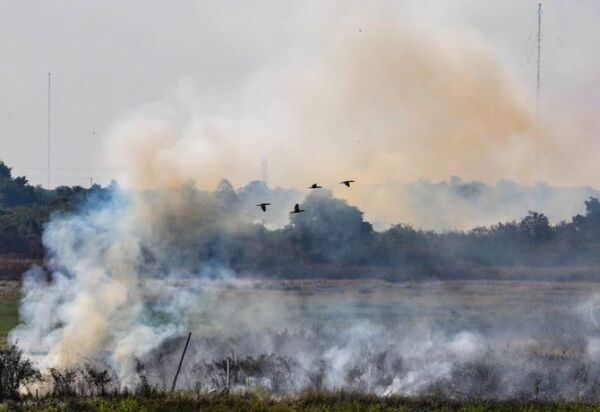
{"points": [[377, 345]]}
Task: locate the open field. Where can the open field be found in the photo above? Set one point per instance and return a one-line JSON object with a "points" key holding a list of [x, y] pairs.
{"points": [[345, 302], [455, 303]]}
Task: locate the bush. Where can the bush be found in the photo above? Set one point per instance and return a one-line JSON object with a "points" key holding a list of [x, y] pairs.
{"points": [[15, 371]]}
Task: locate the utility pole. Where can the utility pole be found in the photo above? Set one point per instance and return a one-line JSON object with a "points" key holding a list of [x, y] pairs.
{"points": [[539, 60], [48, 131]]}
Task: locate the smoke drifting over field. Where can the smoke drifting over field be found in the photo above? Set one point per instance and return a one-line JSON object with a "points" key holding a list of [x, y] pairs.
{"points": [[133, 272]]}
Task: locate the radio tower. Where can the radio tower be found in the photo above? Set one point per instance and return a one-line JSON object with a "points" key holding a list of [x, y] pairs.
{"points": [[539, 60], [48, 132]]}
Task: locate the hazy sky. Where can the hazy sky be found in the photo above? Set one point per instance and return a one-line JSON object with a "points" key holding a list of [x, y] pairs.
{"points": [[108, 57]]}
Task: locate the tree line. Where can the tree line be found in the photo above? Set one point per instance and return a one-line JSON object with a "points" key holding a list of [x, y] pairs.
{"points": [[331, 239], [25, 209]]}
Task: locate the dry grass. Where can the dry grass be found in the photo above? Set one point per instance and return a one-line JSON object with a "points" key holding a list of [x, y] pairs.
{"points": [[11, 268]]}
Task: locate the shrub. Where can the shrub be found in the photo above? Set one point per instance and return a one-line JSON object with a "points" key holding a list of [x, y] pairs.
{"points": [[15, 371]]}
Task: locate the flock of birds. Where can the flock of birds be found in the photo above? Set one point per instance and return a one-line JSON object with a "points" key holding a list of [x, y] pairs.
{"points": [[297, 209]]}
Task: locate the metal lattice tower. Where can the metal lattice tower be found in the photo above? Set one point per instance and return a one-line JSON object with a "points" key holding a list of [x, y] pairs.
{"points": [[539, 59], [48, 136]]}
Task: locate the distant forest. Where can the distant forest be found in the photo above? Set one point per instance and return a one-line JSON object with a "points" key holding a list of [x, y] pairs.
{"points": [[332, 239]]}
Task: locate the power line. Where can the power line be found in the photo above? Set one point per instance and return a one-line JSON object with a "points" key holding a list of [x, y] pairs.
{"points": [[76, 169]]}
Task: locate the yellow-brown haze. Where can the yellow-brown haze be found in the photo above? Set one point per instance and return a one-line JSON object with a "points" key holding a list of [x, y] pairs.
{"points": [[384, 105], [394, 105]]}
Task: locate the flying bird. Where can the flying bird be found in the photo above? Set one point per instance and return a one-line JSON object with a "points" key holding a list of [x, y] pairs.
{"points": [[315, 186], [297, 209], [347, 182], [263, 206]]}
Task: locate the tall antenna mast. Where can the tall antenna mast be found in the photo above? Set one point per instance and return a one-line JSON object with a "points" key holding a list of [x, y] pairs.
{"points": [[539, 60], [48, 131]]}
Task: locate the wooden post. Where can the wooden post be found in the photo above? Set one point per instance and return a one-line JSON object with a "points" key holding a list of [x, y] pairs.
{"points": [[181, 362]]}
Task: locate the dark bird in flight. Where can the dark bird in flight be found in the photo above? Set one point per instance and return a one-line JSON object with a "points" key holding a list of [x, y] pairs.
{"points": [[263, 206], [297, 209], [315, 186], [347, 182]]}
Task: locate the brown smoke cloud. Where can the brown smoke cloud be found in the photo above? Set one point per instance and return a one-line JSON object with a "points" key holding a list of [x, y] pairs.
{"points": [[385, 101], [384, 104], [400, 104], [394, 104]]}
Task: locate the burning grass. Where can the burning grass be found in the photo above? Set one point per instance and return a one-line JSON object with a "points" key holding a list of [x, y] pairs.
{"points": [[549, 362]]}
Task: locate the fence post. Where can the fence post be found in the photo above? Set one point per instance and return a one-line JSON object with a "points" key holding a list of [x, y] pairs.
{"points": [[181, 362]]}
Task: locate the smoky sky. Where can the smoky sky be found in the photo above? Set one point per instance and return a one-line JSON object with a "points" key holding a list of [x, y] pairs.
{"points": [[108, 58]]}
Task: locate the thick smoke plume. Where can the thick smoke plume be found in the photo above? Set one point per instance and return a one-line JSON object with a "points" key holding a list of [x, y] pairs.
{"points": [[130, 273], [390, 103], [382, 102]]}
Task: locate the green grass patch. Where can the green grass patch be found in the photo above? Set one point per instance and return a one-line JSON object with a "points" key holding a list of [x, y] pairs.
{"points": [[309, 402], [9, 313]]}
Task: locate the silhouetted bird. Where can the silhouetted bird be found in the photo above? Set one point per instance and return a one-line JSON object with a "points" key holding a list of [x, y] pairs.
{"points": [[347, 182], [297, 209], [263, 206], [315, 186]]}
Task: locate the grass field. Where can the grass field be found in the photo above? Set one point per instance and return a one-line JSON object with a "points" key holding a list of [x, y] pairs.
{"points": [[311, 402], [346, 302], [9, 312]]}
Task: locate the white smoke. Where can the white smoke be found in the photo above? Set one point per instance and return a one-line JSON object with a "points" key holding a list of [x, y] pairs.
{"points": [[113, 289]]}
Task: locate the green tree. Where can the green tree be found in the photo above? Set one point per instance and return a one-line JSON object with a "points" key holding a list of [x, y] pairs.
{"points": [[330, 230], [536, 226], [588, 226], [5, 171]]}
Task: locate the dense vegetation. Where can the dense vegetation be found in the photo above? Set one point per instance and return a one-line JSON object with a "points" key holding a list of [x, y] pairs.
{"points": [[331, 239], [24, 210]]}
